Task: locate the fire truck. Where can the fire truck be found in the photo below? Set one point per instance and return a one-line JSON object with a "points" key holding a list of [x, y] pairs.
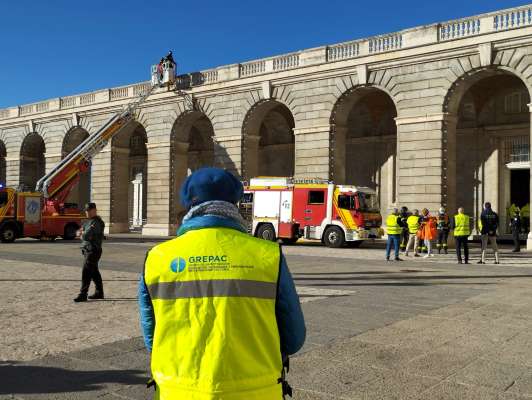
{"points": [[289, 209], [43, 213]]}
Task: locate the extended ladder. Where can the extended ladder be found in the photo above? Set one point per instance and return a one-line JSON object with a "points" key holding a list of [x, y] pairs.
{"points": [[63, 176]]}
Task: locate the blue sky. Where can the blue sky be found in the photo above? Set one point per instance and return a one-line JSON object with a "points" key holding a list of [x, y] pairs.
{"points": [[55, 48]]}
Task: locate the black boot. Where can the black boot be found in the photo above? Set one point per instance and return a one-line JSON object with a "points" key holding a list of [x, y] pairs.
{"points": [[81, 298], [96, 296]]}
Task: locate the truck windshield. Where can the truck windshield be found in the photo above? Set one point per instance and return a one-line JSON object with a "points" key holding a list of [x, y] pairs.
{"points": [[368, 202]]}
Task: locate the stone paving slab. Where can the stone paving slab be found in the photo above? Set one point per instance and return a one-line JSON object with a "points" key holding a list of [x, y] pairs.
{"points": [[376, 330]]}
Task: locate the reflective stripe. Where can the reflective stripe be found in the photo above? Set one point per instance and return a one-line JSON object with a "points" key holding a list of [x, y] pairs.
{"points": [[212, 288]]}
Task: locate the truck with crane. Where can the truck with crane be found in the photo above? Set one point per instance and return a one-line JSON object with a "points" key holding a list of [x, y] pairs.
{"points": [[44, 212], [315, 209]]}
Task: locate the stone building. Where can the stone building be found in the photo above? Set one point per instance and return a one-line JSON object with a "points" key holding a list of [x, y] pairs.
{"points": [[429, 116]]}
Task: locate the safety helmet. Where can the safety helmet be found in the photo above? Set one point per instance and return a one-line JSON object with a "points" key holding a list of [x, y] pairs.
{"points": [[442, 210]]}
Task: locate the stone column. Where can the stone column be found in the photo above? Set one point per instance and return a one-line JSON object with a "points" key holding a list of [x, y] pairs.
{"points": [[427, 162], [101, 185], [228, 153], [529, 238], [51, 160], [120, 187], [159, 222], [250, 157], [312, 153], [12, 171]]}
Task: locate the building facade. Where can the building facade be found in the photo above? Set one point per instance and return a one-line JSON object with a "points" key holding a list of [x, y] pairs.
{"points": [[430, 116]]}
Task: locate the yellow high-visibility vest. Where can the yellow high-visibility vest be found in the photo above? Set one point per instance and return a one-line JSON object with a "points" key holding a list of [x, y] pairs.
{"points": [[413, 223], [213, 292], [392, 227], [461, 225]]}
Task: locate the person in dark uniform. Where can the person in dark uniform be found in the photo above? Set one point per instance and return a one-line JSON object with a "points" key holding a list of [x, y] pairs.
{"points": [[404, 234], [515, 226], [91, 234], [443, 226]]}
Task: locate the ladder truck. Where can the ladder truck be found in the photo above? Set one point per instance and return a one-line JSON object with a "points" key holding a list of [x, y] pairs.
{"points": [[43, 213]]}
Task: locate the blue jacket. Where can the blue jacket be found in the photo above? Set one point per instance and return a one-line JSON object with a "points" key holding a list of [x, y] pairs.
{"points": [[288, 312]]}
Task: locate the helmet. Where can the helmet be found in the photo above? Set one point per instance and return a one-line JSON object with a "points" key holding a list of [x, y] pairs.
{"points": [[442, 210], [425, 211]]}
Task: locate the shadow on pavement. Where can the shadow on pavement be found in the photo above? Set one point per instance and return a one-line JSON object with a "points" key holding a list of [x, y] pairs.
{"points": [[29, 379]]}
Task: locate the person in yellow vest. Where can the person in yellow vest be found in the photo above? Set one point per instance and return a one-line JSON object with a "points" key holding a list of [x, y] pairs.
{"points": [[219, 310], [413, 225], [461, 226], [393, 229]]}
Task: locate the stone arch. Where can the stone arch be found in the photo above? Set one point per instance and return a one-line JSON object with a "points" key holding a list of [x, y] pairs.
{"points": [[32, 160], [129, 160], [487, 133], [364, 141], [3, 166], [268, 141], [80, 193], [192, 147]]}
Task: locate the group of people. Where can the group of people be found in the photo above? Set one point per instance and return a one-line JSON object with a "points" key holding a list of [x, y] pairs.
{"points": [[160, 69], [415, 232]]}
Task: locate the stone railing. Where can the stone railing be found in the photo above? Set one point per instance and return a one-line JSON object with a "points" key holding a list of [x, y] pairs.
{"points": [[343, 51], [253, 68], [460, 29], [285, 62], [512, 19], [503, 20]]}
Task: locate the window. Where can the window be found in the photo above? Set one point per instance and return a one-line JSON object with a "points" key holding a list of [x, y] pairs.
{"points": [[316, 197], [346, 202], [3, 199], [247, 198], [513, 103]]}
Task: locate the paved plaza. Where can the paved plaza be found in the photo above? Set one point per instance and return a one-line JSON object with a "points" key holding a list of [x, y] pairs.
{"points": [[420, 329]]}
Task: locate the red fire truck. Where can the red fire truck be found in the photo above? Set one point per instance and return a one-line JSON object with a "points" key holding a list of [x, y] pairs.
{"points": [[43, 213], [288, 209]]}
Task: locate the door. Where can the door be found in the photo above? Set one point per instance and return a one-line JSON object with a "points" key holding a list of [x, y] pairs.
{"points": [[32, 215], [520, 187], [310, 206]]}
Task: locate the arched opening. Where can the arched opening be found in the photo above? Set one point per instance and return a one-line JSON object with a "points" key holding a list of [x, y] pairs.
{"points": [[491, 136], [3, 168], [130, 183], [192, 147], [268, 141], [364, 136], [80, 194], [32, 161]]}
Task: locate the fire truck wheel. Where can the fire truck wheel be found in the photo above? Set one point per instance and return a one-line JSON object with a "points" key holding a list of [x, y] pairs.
{"points": [[70, 232], [266, 232], [8, 234], [334, 237]]}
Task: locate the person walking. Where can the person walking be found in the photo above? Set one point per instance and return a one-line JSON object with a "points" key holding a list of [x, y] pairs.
{"points": [[428, 228], [413, 228], [394, 230], [442, 227], [91, 234], [489, 223], [461, 226], [403, 217], [227, 300], [515, 227]]}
